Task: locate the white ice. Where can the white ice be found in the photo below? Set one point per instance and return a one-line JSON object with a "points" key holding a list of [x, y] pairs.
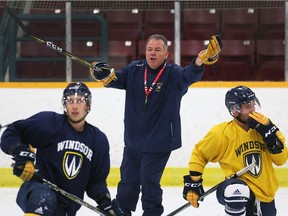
{"points": [[172, 200]]}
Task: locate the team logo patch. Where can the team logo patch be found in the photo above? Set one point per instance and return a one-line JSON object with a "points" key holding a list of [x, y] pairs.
{"points": [[158, 87], [254, 157], [72, 163]]}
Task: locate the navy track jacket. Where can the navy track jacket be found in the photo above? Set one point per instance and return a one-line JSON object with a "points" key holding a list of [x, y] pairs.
{"points": [[155, 127], [74, 161]]}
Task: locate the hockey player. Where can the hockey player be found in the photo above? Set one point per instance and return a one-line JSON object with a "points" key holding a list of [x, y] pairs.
{"points": [[249, 137], [154, 90], [70, 152]]}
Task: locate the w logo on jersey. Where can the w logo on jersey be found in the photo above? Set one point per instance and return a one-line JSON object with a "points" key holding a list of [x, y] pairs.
{"points": [[72, 163], [253, 157]]}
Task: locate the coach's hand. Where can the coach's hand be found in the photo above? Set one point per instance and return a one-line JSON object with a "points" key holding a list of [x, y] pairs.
{"points": [[211, 54], [192, 189], [102, 72], [24, 162], [270, 132]]}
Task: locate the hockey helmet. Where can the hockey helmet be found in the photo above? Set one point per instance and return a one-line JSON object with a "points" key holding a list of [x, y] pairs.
{"points": [[77, 89], [239, 95]]}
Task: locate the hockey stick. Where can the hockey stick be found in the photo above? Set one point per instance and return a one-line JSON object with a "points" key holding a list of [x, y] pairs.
{"points": [[47, 43], [69, 195], [239, 173]]}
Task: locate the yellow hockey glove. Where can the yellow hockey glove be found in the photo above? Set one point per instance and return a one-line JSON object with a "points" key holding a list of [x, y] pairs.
{"points": [[24, 162], [270, 132], [192, 189], [102, 72], [211, 53]]}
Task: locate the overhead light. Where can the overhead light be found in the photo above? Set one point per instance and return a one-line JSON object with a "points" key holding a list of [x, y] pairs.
{"points": [[89, 43], [96, 11]]}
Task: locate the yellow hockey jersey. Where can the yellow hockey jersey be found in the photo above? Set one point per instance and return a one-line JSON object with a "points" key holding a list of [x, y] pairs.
{"points": [[234, 148]]}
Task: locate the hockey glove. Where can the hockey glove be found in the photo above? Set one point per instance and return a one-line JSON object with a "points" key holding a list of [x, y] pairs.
{"points": [[192, 189], [211, 54], [24, 162], [270, 133], [102, 72], [112, 208]]}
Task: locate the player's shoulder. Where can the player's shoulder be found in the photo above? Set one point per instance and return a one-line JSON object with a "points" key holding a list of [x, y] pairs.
{"points": [[222, 126]]}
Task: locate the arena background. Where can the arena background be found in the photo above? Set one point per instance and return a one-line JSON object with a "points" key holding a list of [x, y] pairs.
{"points": [[202, 107], [33, 76]]}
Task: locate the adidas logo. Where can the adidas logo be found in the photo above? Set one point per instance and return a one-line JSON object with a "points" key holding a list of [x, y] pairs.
{"points": [[236, 192], [39, 210]]}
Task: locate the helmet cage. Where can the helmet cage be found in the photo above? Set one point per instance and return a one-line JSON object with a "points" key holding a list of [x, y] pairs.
{"points": [[237, 96], [77, 89]]}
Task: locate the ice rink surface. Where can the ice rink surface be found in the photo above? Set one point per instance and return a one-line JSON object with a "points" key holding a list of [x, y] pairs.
{"points": [[172, 199]]}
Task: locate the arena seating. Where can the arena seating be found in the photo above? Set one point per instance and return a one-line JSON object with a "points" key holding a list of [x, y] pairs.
{"points": [[121, 53], [272, 23], [240, 24], [159, 22], [124, 25], [200, 24], [270, 60], [236, 61]]}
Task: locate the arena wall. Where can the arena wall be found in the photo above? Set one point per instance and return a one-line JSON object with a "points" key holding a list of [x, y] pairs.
{"points": [[202, 107]]}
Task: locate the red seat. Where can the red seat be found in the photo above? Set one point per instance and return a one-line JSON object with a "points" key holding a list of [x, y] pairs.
{"points": [[239, 24], [272, 23], [36, 49], [200, 24], [236, 60], [271, 60], [121, 53], [190, 50], [159, 22], [80, 48], [124, 25], [41, 70], [47, 28], [86, 28], [142, 50]]}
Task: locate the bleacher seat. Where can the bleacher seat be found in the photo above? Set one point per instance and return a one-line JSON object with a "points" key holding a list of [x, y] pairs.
{"points": [[36, 50], [121, 53], [239, 24], [47, 28], [190, 50], [236, 60], [270, 60], [80, 48], [41, 70], [159, 22], [272, 23], [85, 28], [200, 24], [124, 25]]}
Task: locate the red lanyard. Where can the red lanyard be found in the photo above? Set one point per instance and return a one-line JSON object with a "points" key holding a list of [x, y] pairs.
{"points": [[148, 91]]}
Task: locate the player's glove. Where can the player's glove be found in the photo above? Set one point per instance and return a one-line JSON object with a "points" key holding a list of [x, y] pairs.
{"points": [[192, 189], [270, 133], [24, 162], [112, 208], [102, 72], [211, 54]]}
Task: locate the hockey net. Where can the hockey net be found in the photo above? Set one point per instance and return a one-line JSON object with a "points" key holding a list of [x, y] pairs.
{"points": [[109, 5]]}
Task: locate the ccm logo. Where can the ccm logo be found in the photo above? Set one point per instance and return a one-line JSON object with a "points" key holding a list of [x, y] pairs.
{"points": [[193, 184], [270, 131], [53, 46], [27, 154]]}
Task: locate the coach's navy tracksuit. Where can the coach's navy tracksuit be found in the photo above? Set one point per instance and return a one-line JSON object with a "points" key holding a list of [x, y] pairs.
{"points": [[152, 129]]}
